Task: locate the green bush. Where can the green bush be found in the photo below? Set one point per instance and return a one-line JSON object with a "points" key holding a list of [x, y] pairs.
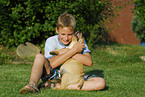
{"points": [[138, 28], [35, 20], [140, 10], [138, 23]]}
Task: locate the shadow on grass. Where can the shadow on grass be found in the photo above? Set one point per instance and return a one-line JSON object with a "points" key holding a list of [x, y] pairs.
{"points": [[96, 73]]}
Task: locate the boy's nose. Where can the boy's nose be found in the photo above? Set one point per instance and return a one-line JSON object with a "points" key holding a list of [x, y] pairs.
{"points": [[66, 37]]}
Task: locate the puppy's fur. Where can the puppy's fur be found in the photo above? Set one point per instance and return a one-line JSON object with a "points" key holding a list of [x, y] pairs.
{"points": [[72, 71]]}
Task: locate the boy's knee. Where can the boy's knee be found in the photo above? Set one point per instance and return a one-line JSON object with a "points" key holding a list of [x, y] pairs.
{"points": [[101, 83], [39, 56]]}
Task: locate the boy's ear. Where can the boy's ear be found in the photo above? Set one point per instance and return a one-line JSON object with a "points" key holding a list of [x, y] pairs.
{"points": [[56, 30]]}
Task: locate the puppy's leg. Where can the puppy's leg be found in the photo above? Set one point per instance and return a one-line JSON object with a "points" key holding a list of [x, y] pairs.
{"points": [[64, 81]]}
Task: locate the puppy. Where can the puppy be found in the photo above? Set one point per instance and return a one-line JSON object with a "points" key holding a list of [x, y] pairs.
{"points": [[72, 71]]}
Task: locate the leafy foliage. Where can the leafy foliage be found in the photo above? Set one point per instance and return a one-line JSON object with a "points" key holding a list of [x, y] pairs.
{"points": [[138, 23], [138, 28], [140, 10], [35, 20]]}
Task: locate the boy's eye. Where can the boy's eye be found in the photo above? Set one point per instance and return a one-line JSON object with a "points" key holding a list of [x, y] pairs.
{"points": [[68, 34], [62, 34]]}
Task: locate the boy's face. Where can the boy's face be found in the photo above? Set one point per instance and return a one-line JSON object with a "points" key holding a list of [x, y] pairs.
{"points": [[65, 35]]}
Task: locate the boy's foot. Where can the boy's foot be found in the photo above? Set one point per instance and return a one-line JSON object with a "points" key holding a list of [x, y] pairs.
{"points": [[29, 89]]}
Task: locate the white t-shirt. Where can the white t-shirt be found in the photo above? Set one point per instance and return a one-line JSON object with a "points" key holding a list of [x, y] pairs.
{"points": [[53, 43]]}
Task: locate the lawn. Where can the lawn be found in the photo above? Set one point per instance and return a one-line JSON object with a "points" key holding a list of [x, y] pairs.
{"points": [[120, 65]]}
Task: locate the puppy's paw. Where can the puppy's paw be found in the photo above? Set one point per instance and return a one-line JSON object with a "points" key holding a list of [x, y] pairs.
{"points": [[53, 52]]}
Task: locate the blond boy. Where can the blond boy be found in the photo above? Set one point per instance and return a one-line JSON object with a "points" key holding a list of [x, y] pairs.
{"points": [[47, 67]]}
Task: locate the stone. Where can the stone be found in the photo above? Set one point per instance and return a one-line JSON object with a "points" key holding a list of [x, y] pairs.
{"points": [[143, 58], [27, 50]]}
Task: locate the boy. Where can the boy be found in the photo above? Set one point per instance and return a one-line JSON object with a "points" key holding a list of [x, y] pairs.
{"points": [[47, 67]]}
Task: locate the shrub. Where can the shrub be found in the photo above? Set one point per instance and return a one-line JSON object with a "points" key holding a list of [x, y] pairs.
{"points": [[35, 20], [138, 23], [138, 28]]}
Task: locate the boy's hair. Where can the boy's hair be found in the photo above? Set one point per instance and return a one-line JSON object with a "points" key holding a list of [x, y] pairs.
{"points": [[66, 20]]}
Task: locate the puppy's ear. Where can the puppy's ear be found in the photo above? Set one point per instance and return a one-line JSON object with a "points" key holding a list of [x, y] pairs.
{"points": [[78, 34], [80, 37]]}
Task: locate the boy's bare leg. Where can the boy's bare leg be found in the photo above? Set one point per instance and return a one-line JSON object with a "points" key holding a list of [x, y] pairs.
{"points": [[95, 83], [37, 68]]}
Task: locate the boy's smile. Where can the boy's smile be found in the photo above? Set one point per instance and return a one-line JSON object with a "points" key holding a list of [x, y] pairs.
{"points": [[65, 35]]}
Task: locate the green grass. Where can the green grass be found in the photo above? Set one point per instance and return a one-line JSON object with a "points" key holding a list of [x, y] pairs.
{"points": [[123, 70]]}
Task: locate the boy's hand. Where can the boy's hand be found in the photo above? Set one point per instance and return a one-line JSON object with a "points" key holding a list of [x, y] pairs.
{"points": [[78, 47]]}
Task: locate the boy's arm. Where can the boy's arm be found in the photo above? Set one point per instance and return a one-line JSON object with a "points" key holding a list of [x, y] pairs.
{"points": [[60, 59], [84, 58]]}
